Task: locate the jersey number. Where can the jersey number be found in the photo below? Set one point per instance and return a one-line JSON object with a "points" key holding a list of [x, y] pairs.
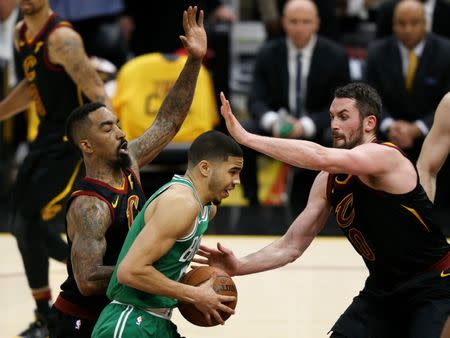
{"points": [[188, 254], [359, 242], [191, 251]]}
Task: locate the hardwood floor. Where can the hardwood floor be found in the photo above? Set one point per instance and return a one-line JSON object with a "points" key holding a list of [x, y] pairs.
{"points": [[302, 299]]}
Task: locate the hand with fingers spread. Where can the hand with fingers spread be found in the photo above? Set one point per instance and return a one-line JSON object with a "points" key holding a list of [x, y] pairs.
{"points": [[234, 127], [194, 39], [210, 303], [222, 258]]}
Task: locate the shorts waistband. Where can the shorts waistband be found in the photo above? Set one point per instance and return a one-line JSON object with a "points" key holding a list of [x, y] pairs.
{"points": [[161, 312], [75, 310]]}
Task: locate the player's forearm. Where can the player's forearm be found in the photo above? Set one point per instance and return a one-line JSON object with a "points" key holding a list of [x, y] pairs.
{"points": [[97, 93], [65, 48], [95, 282], [171, 115], [150, 280], [17, 101], [299, 153], [93, 87], [271, 257], [179, 99], [91, 275]]}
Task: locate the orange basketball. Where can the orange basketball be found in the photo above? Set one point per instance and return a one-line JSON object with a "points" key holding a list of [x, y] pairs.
{"points": [[223, 284]]}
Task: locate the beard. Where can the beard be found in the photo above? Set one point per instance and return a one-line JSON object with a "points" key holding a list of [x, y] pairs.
{"points": [[124, 161], [354, 139]]}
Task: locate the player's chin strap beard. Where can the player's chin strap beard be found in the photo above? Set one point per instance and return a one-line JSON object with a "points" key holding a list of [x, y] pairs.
{"points": [[124, 161]]}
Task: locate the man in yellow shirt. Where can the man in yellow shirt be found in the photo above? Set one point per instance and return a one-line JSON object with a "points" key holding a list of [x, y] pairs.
{"points": [[144, 82]]}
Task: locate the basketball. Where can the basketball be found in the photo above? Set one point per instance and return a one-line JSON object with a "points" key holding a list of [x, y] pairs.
{"points": [[223, 284]]}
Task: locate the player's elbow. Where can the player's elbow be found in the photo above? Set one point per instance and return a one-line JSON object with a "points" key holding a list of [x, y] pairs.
{"points": [[289, 249], [289, 255], [124, 274], [286, 257], [293, 254], [88, 288]]}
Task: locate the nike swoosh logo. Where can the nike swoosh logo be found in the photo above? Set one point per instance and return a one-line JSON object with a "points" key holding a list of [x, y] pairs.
{"points": [[114, 205], [443, 274]]}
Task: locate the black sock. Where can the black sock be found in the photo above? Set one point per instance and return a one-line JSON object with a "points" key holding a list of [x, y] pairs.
{"points": [[42, 299]]}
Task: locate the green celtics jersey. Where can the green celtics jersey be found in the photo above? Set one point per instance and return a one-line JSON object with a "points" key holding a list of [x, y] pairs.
{"points": [[173, 264]]}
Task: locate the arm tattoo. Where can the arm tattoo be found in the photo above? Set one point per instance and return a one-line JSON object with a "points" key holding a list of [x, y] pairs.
{"points": [[88, 220], [171, 115], [67, 50]]}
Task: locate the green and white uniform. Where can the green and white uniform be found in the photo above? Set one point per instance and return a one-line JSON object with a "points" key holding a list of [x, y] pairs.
{"points": [[134, 313]]}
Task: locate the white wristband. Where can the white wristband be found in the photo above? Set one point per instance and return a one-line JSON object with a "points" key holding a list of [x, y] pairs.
{"points": [[268, 120], [309, 127]]}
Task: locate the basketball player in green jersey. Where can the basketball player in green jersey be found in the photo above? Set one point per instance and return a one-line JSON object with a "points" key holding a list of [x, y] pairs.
{"points": [[162, 241]]}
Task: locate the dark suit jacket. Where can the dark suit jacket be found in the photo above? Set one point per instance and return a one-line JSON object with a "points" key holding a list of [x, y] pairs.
{"points": [[164, 19], [441, 16], [270, 87], [431, 82]]}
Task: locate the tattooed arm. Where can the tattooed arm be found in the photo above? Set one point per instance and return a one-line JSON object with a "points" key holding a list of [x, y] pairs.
{"points": [[174, 109], [66, 48], [88, 219]]}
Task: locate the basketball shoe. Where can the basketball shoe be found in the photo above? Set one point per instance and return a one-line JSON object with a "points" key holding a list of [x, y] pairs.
{"points": [[37, 329]]}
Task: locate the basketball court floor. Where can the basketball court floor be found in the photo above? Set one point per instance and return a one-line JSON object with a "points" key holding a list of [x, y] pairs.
{"points": [[300, 300]]}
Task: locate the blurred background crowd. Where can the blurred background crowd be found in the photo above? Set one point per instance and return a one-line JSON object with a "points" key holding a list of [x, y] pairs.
{"points": [[279, 64]]}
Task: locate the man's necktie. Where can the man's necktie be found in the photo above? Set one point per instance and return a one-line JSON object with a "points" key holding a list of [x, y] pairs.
{"points": [[298, 86], [411, 71]]}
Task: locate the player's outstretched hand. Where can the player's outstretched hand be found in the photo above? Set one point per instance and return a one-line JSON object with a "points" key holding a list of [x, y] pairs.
{"points": [[222, 258], [234, 127], [194, 39]]}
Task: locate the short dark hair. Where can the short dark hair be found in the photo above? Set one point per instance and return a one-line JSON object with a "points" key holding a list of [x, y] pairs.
{"points": [[78, 121], [212, 145], [368, 101]]}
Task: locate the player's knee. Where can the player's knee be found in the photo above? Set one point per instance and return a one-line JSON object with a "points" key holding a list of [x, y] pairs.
{"points": [[25, 231]]}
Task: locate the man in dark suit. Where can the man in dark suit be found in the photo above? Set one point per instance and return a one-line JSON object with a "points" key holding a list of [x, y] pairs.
{"points": [[411, 71], [436, 11], [293, 83]]}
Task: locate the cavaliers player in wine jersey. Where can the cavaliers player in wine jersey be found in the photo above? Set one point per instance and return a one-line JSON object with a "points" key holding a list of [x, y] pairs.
{"points": [[77, 306], [103, 206], [381, 207], [57, 77]]}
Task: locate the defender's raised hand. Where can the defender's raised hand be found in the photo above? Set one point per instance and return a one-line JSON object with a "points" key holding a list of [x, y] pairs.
{"points": [[194, 39], [234, 127]]}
